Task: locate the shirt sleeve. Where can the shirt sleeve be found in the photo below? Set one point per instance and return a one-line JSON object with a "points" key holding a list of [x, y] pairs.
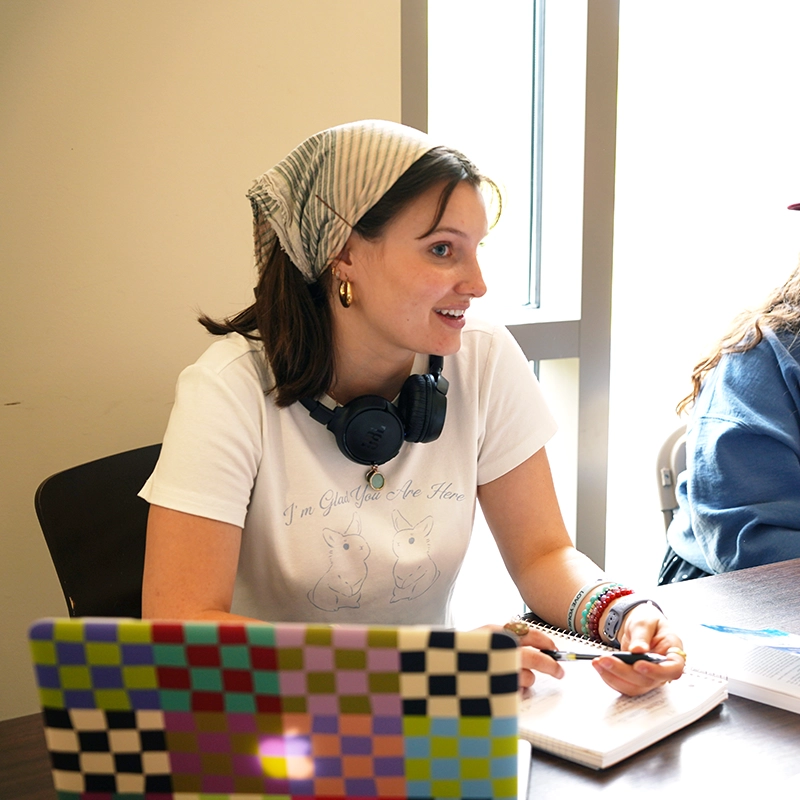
{"points": [[213, 442], [518, 421]]}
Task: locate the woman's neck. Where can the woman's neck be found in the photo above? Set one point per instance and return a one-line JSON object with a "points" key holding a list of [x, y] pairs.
{"points": [[357, 375]]}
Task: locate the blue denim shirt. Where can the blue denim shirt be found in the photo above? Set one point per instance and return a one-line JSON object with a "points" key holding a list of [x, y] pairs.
{"points": [[739, 498]]}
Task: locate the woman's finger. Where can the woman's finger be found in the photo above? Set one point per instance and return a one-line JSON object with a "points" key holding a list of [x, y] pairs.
{"points": [[639, 678], [533, 659]]}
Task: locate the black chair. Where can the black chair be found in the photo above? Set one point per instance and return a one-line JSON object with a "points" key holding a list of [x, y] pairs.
{"points": [[94, 525]]}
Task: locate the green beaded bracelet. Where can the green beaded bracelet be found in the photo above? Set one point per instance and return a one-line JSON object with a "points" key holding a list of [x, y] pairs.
{"points": [[590, 618]]}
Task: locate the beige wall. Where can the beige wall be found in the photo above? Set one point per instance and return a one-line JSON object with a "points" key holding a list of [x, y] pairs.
{"points": [[129, 132]]}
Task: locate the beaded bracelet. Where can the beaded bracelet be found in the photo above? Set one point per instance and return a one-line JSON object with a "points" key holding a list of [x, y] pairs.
{"points": [[598, 603], [602, 589], [591, 602], [576, 601], [599, 608]]}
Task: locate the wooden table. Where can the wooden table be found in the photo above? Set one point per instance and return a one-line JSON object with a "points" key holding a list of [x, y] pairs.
{"points": [[24, 762], [736, 749]]}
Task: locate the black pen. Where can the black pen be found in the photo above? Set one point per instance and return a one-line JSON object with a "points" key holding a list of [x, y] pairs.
{"points": [[622, 655]]}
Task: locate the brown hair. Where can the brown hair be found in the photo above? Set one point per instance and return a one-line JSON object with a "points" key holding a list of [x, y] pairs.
{"points": [[780, 313], [293, 318]]}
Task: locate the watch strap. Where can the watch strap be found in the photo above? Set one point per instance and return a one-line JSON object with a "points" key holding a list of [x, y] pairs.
{"points": [[617, 613]]}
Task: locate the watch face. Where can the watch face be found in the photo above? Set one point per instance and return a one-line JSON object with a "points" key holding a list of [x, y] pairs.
{"points": [[613, 621]]}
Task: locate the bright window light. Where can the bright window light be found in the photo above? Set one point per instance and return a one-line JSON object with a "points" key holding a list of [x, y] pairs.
{"points": [[490, 84]]}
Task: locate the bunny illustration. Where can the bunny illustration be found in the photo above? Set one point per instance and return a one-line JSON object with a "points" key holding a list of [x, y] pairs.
{"points": [[414, 570], [340, 586]]}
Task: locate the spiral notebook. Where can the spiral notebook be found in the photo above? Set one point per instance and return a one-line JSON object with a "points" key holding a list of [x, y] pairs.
{"points": [[186, 710], [581, 719]]}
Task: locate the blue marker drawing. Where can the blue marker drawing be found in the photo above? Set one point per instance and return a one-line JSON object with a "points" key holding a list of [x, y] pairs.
{"points": [[766, 637]]}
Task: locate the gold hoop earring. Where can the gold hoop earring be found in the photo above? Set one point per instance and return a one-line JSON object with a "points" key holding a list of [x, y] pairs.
{"points": [[345, 294]]}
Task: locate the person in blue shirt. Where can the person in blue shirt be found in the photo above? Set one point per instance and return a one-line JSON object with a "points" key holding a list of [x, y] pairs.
{"points": [[739, 498]]}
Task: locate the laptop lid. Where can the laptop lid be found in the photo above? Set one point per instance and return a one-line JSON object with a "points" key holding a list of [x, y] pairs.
{"points": [[135, 708]]}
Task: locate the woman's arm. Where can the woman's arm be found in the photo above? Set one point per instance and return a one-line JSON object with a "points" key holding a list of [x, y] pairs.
{"points": [[522, 511], [743, 483], [743, 461], [523, 514], [189, 567]]}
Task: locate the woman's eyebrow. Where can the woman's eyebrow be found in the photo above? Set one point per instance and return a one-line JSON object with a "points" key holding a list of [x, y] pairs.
{"points": [[444, 229]]}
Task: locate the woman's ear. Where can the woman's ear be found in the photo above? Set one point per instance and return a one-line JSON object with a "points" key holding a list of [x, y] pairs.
{"points": [[354, 256], [344, 257]]}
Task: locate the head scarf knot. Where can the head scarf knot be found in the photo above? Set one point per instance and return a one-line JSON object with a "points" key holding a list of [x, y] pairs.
{"points": [[312, 198]]}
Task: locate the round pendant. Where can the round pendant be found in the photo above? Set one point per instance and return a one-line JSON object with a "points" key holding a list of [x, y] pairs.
{"points": [[375, 480]]}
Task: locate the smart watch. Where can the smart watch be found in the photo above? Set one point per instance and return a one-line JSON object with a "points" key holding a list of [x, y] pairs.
{"points": [[617, 613]]}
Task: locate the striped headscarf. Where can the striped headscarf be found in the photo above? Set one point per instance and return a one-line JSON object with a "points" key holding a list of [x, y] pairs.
{"points": [[312, 199]]}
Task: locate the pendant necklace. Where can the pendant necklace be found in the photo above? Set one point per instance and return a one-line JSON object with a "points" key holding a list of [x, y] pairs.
{"points": [[375, 478]]}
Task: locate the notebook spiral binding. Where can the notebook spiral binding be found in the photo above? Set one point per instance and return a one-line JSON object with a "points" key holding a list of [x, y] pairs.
{"points": [[537, 624]]}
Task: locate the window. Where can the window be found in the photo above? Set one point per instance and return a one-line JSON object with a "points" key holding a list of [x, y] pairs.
{"points": [[506, 83], [707, 162], [473, 48]]}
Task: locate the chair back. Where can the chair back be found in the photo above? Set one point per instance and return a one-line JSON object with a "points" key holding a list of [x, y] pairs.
{"points": [[94, 525], [671, 462]]}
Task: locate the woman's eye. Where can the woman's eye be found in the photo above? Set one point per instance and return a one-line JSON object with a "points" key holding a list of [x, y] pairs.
{"points": [[441, 250]]}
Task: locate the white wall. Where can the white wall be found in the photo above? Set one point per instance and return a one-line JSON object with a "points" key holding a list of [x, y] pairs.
{"points": [[707, 161], [129, 133]]}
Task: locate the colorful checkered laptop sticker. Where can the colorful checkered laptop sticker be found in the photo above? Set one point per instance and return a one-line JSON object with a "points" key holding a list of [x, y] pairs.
{"points": [[137, 709]]}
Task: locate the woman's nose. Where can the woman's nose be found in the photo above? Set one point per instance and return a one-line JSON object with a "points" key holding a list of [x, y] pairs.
{"points": [[472, 283]]}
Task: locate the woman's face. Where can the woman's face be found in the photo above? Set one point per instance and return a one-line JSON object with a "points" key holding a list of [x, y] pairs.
{"points": [[412, 288]]}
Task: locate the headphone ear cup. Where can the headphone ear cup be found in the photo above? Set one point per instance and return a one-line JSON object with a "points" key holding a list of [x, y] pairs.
{"points": [[414, 406], [368, 430], [422, 408]]}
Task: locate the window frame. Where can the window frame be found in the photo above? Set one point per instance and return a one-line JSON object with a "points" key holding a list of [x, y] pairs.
{"points": [[589, 338]]}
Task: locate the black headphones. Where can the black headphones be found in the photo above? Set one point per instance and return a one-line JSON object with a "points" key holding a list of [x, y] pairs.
{"points": [[371, 430]]}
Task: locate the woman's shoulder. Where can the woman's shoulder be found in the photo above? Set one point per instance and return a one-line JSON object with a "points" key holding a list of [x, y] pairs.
{"points": [[748, 380], [481, 334], [489, 349], [234, 358], [784, 344], [229, 351], [776, 353]]}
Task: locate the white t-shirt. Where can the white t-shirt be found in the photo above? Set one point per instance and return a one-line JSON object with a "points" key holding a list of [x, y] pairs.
{"points": [[317, 543]]}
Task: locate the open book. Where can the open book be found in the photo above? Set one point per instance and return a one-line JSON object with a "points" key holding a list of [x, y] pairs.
{"points": [[582, 719], [761, 665]]}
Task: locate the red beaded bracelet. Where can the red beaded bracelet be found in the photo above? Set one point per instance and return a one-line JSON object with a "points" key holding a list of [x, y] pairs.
{"points": [[598, 605], [590, 603]]}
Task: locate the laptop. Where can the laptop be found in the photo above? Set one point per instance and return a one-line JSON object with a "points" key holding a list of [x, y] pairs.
{"points": [[189, 710]]}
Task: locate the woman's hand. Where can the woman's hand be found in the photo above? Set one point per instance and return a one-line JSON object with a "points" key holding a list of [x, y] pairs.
{"points": [[531, 642], [644, 630]]}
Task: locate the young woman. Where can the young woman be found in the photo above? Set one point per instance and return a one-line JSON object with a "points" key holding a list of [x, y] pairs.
{"points": [[324, 456], [739, 498]]}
